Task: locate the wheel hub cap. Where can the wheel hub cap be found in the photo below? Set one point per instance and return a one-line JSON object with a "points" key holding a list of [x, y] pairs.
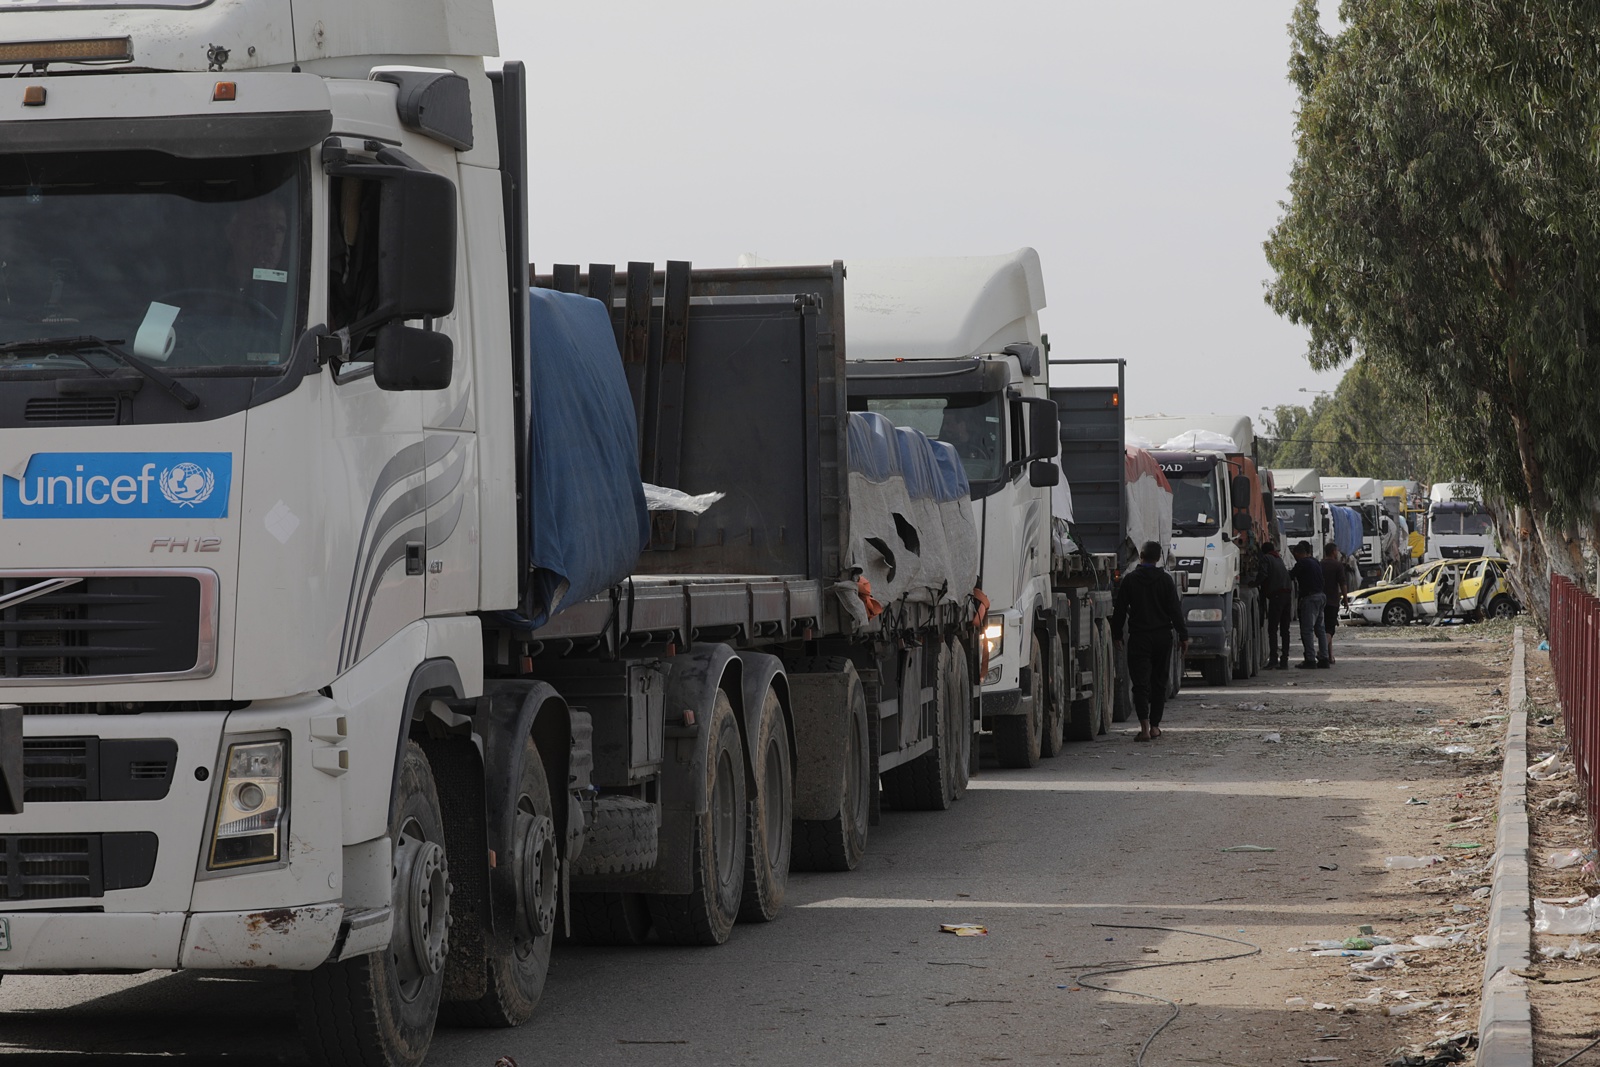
{"points": [[536, 874], [422, 890]]}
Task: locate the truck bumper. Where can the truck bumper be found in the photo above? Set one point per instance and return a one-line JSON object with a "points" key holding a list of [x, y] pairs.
{"points": [[281, 938], [1209, 639], [1006, 702]]}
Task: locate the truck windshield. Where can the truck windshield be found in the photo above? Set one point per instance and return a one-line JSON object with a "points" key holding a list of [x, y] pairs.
{"points": [[192, 264], [1195, 509], [974, 423], [1477, 523], [1369, 520], [1295, 519]]}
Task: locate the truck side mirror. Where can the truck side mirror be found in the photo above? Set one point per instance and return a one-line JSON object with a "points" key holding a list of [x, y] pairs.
{"points": [[1044, 429], [1044, 474], [416, 245], [1241, 488], [1241, 521], [406, 358]]}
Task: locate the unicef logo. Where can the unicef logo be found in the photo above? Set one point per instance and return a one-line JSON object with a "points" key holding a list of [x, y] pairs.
{"points": [[187, 484]]}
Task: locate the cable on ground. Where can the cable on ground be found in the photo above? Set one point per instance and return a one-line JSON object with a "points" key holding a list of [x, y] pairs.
{"points": [[1578, 1053], [1084, 979]]}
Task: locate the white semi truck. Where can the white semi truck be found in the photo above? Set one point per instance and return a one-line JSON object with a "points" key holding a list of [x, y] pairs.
{"points": [[1382, 539], [326, 639], [952, 347], [1222, 514], [1459, 526], [1302, 513]]}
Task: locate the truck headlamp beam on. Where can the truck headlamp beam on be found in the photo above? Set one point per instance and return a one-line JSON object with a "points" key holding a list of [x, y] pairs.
{"points": [[1205, 615], [251, 804], [85, 50]]}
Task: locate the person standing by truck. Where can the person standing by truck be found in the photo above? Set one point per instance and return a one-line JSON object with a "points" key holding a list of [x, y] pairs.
{"points": [[1148, 607], [1278, 591], [1336, 590], [1307, 575]]}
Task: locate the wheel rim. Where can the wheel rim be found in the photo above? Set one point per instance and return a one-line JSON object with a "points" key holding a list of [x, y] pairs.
{"points": [[536, 875], [422, 889], [725, 818], [776, 775], [856, 771]]}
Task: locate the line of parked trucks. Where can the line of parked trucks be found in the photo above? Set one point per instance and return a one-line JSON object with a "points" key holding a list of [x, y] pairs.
{"points": [[378, 609]]}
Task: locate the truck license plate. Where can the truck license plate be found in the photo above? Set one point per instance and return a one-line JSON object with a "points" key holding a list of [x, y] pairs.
{"points": [[5, 934]]}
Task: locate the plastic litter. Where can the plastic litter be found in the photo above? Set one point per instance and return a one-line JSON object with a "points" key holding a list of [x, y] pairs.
{"points": [[1248, 848], [1562, 860], [1459, 750], [1407, 1007], [1549, 767], [1414, 802], [1320, 1006], [1549, 917], [1465, 844], [660, 498], [1432, 941], [1398, 863], [964, 929], [1273, 739], [1576, 950], [1294, 1002], [1544, 646]]}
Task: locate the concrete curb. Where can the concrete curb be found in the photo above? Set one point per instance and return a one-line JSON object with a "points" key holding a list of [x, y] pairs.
{"points": [[1505, 1024]]}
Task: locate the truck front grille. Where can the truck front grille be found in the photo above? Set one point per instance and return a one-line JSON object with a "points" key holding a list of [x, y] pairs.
{"points": [[106, 624], [67, 769], [74, 866]]}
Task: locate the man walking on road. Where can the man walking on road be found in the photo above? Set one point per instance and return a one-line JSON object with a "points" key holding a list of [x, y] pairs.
{"points": [[1307, 575], [1278, 592], [1149, 609]]}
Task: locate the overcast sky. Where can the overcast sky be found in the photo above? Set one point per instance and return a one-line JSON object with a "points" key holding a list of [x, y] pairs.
{"points": [[1141, 148]]}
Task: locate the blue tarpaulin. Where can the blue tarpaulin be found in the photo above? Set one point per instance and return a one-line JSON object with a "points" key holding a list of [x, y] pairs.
{"points": [[587, 517], [1346, 528]]}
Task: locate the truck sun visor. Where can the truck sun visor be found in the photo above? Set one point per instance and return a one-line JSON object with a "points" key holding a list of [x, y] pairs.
{"points": [[588, 522], [186, 136]]}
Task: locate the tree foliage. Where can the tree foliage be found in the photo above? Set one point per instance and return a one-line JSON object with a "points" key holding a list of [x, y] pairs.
{"points": [[1444, 225]]}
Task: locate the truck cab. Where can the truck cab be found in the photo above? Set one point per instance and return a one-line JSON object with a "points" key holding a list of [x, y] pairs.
{"points": [[952, 347], [1459, 526]]}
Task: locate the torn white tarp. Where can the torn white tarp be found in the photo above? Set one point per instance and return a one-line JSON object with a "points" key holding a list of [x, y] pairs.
{"points": [[1061, 514], [660, 498], [1200, 441], [1149, 497]]}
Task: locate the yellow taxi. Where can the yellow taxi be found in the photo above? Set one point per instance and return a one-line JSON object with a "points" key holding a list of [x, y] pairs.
{"points": [[1396, 601], [1477, 588]]}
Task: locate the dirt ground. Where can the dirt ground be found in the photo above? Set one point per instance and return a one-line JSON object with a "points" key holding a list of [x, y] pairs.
{"points": [[1563, 990]]}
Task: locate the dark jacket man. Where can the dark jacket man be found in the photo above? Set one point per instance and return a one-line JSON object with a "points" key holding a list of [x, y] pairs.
{"points": [[1148, 609]]}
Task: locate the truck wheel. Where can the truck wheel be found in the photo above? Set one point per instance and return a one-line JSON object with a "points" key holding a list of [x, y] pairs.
{"points": [[1217, 670], [1105, 677], [1016, 737], [517, 972], [771, 820], [621, 837], [1122, 695], [380, 1008], [1243, 654], [960, 721], [837, 844], [923, 784], [610, 919], [1058, 702], [1396, 613], [1258, 638], [705, 915], [1175, 670]]}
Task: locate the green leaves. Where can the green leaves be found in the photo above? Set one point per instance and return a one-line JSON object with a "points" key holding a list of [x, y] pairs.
{"points": [[1443, 226]]}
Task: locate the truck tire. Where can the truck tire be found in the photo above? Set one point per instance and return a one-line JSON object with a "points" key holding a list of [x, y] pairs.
{"points": [[1216, 670], [1016, 737], [1105, 679], [621, 837], [610, 919], [1059, 704], [1258, 638], [837, 844], [516, 973], [923, 784], [1122, 707], [771, 818], [1175, 671], [960, 720], [1243, 653], [379, 1010], [705, 915], [1083, 716]]}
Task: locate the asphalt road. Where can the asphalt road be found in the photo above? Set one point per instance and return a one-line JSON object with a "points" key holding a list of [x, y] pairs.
{"points": [[855, 969]]}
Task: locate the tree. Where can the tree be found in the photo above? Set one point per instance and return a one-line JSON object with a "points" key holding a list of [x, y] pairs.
{"points": [[1444, 225]]}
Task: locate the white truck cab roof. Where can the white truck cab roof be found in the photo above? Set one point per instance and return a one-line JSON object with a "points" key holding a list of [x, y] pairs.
{"points": [[942, 308]]}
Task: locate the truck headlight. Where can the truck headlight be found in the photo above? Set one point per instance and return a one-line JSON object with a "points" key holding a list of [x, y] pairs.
{"points": [[251, 806], [1205, 615], [994, 638]]}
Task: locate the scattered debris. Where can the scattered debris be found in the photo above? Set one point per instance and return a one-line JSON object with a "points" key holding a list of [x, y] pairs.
{"points": [[1248, 848], [963, 929], [1397, 863], [1273, 739], [1551, 917]]}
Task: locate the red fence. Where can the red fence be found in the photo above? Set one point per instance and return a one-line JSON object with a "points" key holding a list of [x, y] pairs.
{"points": [[1575, 658]]}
